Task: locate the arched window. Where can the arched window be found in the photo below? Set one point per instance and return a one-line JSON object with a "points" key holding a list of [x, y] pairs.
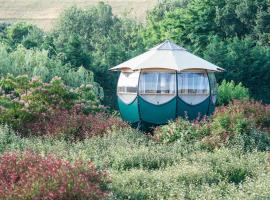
{"points": [[157, 87], [193, 87], [213, 86], [127, 86]]}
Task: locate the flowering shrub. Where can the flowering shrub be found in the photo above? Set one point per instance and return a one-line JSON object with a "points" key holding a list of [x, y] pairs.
{"points": [[74, 124], [237, 118], [182, 130], [228, 121], [23, 101], [257, 112], [31, 176]]}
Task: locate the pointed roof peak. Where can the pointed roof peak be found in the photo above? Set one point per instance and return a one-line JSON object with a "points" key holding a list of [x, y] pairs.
{"points": [[167, 55], [168, 45]]}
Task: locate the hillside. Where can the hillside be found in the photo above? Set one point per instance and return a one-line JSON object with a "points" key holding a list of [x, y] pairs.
{"points": [[44, 13]]}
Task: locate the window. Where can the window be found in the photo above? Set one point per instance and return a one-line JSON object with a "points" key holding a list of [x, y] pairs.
{"points": [[193, 87], [157, 87], [213, 86], [127, 86]]}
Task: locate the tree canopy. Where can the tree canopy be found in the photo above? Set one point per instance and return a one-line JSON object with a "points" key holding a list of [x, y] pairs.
{"points": [[233, 34]]}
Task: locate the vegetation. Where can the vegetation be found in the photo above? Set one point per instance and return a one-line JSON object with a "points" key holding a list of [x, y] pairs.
{"points": [[60, 137], [79, 43], [23, 101], [226, 124], [143, 168], [227, 91], [46, 12], [232, 34], [31, 176]]}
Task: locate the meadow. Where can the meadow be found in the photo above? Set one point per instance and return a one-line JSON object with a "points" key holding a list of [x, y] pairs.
{"points": [[140, 167]]}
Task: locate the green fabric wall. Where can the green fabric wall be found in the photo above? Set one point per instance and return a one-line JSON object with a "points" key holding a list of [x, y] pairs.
{"points": [[157, 114], [129, 112], [142, 111], [192, 111]]}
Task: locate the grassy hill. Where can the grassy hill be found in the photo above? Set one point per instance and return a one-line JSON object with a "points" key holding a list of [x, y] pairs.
{"points": [[44, 12]]}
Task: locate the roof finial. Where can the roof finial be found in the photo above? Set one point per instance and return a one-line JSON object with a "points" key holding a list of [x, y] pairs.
{"points": [[168, 45]]}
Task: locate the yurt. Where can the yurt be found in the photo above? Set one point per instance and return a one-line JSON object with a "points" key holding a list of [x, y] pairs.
{"points": [[164, 83]]}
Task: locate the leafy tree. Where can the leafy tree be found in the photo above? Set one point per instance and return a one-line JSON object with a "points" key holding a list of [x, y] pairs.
{"points": [[155, 30], [195, 22], [3, 26], [72, 50], [3, 35], [233, 34], [190, 24], [26, 34], [96, 39], [244, 61], [34, 39], [34, 62]]}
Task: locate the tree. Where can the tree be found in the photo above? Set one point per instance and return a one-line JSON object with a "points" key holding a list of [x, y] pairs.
{"points": [[30, 36], [233, 34], [194, 23], [98, 40], [73, 51], [3, 29], [244, 61], [34, 38]]}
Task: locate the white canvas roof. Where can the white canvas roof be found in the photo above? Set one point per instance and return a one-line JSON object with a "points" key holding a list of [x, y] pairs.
{"points": [[167, 55]]}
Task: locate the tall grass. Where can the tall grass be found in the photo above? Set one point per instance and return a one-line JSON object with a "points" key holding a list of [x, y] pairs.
{"points": [[141, 168]]}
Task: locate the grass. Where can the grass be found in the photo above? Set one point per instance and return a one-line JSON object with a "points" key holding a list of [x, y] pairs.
{"points": [[143, 169], [44, 13]]}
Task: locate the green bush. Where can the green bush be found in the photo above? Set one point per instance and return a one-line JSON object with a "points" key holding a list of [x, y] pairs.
{"points": [[230, 120], [143, 158], [243, 122], [239, 118], [23, 101], [7, 138], [181, 130], [34, 62], [228, 91], [255, 139]]}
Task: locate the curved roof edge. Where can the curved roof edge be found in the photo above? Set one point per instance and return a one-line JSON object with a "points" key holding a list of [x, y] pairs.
{"points": [[167, 55]]}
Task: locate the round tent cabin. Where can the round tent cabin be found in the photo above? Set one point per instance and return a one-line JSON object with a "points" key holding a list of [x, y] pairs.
{"points": [[164, 83]]}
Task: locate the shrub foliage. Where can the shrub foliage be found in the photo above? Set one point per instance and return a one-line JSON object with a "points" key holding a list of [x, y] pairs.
{"points": [[237, 118], [23, 101], [74, 125], [228, 91], [31, 176]]}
